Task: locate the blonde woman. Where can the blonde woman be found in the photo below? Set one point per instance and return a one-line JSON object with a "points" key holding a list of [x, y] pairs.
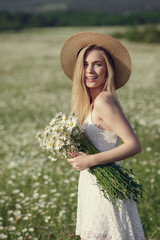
{"points": [[98, 65]]}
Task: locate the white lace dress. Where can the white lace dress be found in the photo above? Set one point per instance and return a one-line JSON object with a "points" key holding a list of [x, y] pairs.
{"points": [[97, 218]]}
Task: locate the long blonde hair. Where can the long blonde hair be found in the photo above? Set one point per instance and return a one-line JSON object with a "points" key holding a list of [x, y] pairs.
{"points": [[81, 97]]}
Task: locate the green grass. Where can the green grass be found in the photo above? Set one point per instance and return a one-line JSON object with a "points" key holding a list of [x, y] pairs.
{"points": [[37, 197]]}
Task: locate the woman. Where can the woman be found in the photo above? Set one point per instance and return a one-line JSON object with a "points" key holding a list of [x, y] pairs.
{"points": [[98, 65]]}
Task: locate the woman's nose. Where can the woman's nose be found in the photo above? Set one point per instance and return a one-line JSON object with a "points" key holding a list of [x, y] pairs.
{"points": [[89, 68]]}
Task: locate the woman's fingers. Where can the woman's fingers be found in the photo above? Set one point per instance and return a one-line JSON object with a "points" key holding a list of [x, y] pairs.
{"points": [[73, 162], [74, 154], [70, 160], [78, 160]]}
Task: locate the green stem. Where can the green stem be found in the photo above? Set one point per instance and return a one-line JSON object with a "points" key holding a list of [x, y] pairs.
{"points": [[113, 180]]}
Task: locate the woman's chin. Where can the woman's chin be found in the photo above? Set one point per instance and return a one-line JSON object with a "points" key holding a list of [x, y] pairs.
{"points": [[90, 84]]}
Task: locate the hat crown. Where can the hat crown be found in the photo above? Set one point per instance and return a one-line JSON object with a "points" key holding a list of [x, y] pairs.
{"points": [[117, 51]]}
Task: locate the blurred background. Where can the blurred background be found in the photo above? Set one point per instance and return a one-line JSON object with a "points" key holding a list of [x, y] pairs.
{"points": [[22, 14], [38, 198]]}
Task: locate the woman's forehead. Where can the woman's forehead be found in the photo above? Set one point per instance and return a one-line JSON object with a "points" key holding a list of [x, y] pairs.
{"points": [[94, 54]]}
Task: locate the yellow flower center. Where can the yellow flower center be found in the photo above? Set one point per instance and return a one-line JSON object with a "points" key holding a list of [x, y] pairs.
{"points": [[71, 124]]}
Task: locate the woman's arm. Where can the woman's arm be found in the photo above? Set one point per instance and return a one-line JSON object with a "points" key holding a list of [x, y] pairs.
{"points": [[108, 110]]}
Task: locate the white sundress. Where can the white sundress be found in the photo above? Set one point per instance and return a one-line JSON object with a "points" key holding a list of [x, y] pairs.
{"points": [[97, 218]]}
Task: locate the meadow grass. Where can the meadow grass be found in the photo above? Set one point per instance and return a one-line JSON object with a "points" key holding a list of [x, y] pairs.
{"points": [[38, 197]]}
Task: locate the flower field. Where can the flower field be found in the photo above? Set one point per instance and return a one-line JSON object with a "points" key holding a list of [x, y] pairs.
{"points": [[38, 197]]}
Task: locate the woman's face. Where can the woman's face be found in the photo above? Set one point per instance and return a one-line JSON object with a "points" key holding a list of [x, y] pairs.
{"points": [[95, 69]]}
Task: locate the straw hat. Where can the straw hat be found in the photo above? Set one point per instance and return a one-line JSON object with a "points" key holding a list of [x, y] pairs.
{"points": [[119, 54]]}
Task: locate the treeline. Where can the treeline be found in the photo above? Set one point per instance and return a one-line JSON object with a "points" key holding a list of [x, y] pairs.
{"points": [[147, 34], [20, 20]]}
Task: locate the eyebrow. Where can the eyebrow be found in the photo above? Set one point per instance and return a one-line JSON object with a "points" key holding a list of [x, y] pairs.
{"points": [[98, 61]]}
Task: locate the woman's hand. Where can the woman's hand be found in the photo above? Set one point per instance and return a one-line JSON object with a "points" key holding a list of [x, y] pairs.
{"points": [[80, 160]]}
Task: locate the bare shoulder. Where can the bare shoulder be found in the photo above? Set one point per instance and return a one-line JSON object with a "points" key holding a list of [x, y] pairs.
{"points": [[105, 101]]}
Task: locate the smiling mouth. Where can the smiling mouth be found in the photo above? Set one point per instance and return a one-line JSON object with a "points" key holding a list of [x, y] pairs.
{"points": [[91, 78]]}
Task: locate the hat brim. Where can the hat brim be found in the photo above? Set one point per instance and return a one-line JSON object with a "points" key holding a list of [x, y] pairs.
{"points": [[119, 54]]}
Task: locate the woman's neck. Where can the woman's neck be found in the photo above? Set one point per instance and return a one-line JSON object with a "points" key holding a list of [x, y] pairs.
{"points": [[94, 93]]}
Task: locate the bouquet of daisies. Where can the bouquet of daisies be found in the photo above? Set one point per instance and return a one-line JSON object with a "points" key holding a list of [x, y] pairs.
{"points": [[64, 135]]}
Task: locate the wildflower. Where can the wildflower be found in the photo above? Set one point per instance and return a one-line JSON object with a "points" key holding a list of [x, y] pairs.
{"points": [[143, 162], [66, 181], [35, 195], [11, 219], [47, 218], [148, 149], [24, 230], [58, 145], [35, 208], [21, 194], [73, 179], [72, 114], [31, 229], [15, 191], [18, 206], [72, 195], [52, 122], [64, 137], [17, 213], [10, 182], [61, 213], [49, 144], [12, 228], [43, 196], [10, 212], [13, 176], [53, 190], [64, 117], [52, 159], [36, 184], [72, 123], [134, 160], [58, 115], [45, 177], [3, 236]]}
